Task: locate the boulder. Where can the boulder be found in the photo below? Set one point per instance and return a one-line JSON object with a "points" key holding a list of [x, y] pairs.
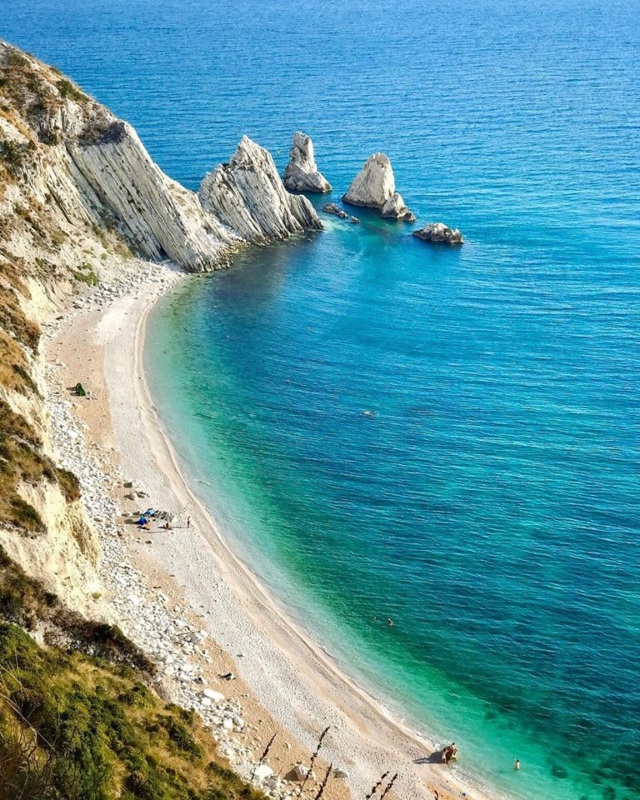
{"points": [[211, 694], [248, 196], [439, 232], [395, 208], [298, 772], [302, 174], [262, 772]]}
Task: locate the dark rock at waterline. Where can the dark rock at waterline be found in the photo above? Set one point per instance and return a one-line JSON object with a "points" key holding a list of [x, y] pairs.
{"points": [[439, 232], [332, 208]]}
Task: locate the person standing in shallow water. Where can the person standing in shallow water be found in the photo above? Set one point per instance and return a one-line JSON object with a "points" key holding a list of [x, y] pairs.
{"points": [[516, 766]]}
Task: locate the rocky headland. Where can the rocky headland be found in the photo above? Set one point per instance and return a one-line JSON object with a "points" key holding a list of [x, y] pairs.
{"points": [[375, 187], [301, 173], [440, 233], [250, 199]]}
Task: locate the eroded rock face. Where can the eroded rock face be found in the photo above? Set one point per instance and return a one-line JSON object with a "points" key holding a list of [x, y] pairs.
{"points": [[160, 217], [395, 208], [375, 187], [248, 196], [302, 174], [439, 232]]}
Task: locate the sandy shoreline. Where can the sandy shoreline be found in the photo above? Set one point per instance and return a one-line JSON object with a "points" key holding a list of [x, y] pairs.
{"points": [[286, 684]]}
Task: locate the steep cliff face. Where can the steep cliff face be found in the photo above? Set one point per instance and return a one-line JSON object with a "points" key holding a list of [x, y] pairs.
{"points": [[157, 215], [248, 195], [93, 170], [302, 173]]}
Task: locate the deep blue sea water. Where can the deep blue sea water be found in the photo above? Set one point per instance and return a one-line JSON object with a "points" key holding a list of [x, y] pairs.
{"points": [[491, 506]]}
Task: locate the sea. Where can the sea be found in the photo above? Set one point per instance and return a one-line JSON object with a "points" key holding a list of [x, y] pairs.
{"points": [[385, 429]]}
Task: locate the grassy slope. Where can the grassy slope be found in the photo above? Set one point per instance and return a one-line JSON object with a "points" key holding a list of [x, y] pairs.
{"points": [[79, 728]]}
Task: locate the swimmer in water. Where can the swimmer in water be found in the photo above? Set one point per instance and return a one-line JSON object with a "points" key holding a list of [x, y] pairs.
{"points": [[516, 766]]}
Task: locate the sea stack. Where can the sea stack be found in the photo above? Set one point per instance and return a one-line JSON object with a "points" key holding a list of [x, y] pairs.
{"points": [[248, 196], [375, 187], [439, 232], [302, 174]]}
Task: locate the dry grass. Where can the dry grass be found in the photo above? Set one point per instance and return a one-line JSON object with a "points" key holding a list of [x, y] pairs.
{"points": [[83, 729]]}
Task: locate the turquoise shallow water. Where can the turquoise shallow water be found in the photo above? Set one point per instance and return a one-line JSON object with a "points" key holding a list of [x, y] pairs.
{"points": [[491, 505]]}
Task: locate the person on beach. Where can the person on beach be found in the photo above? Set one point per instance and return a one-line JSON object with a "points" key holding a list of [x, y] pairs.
{"points": [[516, 766], [449, 752], [188, 522]]}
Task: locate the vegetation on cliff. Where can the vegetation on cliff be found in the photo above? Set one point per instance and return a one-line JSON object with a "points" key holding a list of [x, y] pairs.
{"points": [[80, 728]]}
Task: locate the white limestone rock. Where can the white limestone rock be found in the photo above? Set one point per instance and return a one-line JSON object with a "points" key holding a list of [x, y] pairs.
{"points": [[160, 217], [211, 694], [302, 174], [262, 772], [373, 185], [248, 196], [395, 208], [439, 232]]}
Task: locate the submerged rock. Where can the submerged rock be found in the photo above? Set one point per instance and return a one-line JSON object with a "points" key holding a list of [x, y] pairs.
{"points": [[439, 232], [302, 174], [332, 208], [248, 196], [375, 187]]}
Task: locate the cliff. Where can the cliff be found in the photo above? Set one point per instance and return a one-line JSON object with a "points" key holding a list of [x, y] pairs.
{"points": [[248, 195], [79, 194]]}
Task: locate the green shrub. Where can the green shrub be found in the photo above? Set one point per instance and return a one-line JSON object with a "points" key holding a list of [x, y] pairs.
{"points": [[68, 90]]}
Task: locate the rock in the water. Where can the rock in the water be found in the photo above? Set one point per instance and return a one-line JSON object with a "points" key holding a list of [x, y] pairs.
{"points": [[395, 208], [248, 196], [354, 221], [375, 187], [302, 174], [332, 208], [439, 232]]}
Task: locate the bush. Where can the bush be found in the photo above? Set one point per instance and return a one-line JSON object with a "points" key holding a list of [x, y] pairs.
{"points": [[68, 90]]}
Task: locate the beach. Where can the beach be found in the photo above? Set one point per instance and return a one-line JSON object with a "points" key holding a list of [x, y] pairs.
{"points": [[185, 597]]}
